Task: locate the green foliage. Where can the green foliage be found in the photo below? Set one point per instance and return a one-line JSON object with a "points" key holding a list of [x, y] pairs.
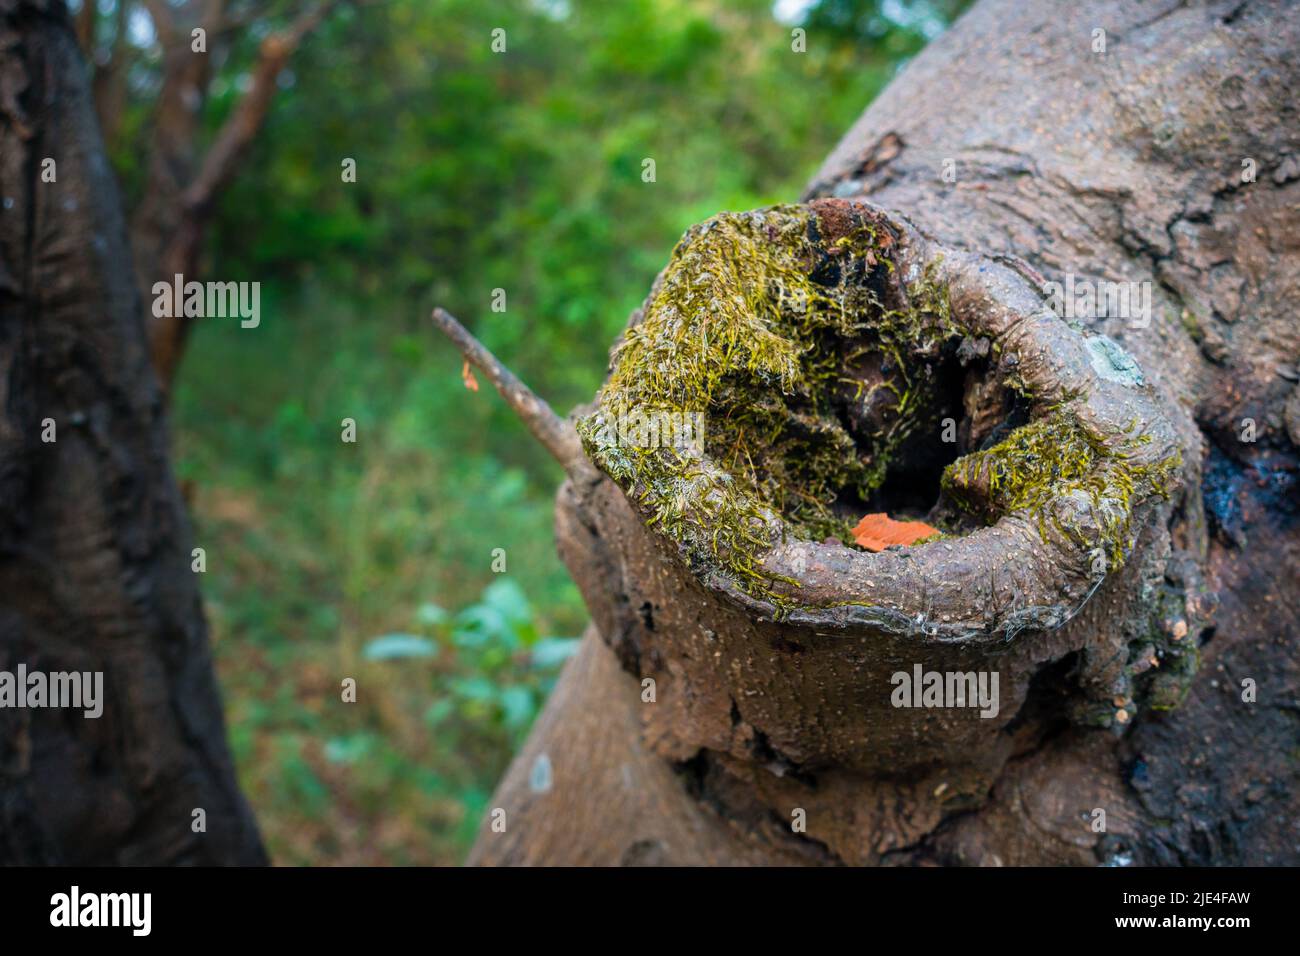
{"points": [[522, 170], [475, 171]]}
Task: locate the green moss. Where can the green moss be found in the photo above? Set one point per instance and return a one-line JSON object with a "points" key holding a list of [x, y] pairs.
{"points": [[779, 340], [1192, 326], [759, 326], [1058, 458]]}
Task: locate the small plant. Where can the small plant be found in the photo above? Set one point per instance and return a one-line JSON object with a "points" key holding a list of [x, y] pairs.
{"points": [[502, 669], [494, 667]]}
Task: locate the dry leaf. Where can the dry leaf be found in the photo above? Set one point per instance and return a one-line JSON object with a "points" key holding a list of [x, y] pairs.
{"points": [[467, 376], [876, 532]]}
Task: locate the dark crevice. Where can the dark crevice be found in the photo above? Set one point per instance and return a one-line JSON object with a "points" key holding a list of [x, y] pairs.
{"points": [[778, 763], [1046, 701], [1247, 480], [708, 782]]}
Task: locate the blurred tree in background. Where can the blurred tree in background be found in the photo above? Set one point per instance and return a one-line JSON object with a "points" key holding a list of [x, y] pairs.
{"points": [[475, 171]]}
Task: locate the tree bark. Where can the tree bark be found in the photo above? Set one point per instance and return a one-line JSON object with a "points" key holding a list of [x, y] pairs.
{"points": [[95, 550], [1123, 163]]}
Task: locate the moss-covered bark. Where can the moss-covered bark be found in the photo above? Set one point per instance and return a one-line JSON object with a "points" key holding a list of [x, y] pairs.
{"points": [[757, 327]]}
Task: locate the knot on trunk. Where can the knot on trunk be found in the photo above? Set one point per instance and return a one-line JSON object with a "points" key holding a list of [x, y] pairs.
{"points": [[793, 369], [799, 366]]}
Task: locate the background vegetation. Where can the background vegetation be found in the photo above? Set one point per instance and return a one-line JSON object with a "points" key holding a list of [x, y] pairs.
{"points": [[475, 171]]}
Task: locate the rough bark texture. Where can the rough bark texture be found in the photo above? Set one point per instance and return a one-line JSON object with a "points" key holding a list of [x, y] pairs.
{"points": [[95, 566], [1124, 165]]}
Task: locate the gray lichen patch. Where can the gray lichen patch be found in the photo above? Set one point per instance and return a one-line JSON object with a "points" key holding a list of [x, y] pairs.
{"points": [[1112, 362]]}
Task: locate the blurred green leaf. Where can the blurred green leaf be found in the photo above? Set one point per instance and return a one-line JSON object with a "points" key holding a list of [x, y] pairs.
{"points": [[349, 750], [392, 647], [431, 615], [519, 706]]}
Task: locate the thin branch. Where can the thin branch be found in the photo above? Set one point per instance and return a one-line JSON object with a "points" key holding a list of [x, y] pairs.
{"points": [[214, 17], [110, 77], [119, 34], [85, 26], [231, 23], [557, 435], [241, 126], [164, 26]]}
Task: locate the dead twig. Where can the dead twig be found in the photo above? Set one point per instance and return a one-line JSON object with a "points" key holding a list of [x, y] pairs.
{"points": [[557, 435]]}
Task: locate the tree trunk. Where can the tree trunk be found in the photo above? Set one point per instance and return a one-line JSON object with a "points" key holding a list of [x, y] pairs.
{"points": [[1150, 698], [95, 551]]}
